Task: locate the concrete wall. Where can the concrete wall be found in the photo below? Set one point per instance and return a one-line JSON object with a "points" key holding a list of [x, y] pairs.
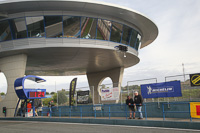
{"points": [[95, 79], [13, 67]]}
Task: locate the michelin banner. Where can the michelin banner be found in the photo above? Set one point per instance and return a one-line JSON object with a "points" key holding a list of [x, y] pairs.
{"points": [[164, 89], [110, 94]]}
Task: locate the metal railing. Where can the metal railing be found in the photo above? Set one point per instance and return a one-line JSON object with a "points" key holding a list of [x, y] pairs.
{"points": [[93, 111], [175, 112]]}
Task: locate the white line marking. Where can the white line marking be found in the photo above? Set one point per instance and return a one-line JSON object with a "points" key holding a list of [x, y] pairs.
{"points": [[85, 124]]}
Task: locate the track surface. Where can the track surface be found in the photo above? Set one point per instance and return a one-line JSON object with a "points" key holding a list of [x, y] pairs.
{"points": [[58, 127]]}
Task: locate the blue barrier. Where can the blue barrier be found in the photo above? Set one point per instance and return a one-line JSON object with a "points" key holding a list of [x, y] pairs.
{"points": [[175, 110], [164, 112], [81, 111]]}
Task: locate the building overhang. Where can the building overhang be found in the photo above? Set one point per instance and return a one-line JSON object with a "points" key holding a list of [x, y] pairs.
{"points": [[146, 27]]}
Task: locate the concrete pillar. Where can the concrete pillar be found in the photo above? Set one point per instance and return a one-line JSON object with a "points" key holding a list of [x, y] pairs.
{"points": [[13, 67], [95, 79]]}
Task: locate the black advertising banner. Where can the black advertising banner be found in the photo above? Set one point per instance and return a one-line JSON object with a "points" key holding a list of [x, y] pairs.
{"points": [[83, 97], [195, 79], [72, 91]]}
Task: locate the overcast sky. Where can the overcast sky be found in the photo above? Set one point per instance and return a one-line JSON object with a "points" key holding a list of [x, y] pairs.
{"points": [[178, 41]]}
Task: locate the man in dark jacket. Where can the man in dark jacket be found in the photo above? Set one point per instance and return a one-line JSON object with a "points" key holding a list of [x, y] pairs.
{"points": [[138, 100], [129, 102]]}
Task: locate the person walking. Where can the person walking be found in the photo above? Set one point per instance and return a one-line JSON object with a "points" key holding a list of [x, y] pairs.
{"points": [[129, 102], [138, 101]]}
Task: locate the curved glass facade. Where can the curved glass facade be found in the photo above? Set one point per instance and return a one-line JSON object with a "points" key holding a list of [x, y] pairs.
{"points": [[69, 27]]}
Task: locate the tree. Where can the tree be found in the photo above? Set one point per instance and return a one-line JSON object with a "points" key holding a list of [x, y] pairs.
{"points": [[62, 98], [2, 93], [52, 93], [47, 93], [46, 101]]}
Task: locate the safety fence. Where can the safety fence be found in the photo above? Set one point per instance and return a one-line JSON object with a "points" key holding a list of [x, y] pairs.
{"points": [[62, 96], [185, 111], [86, 95], [171, 110], [188, 93], [91, 111]]}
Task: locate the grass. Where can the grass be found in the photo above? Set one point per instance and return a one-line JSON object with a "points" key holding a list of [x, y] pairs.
{"points": [[87, 28], [99, 36]]}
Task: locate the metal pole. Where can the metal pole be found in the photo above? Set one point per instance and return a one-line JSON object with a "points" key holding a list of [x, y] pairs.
{"points": [[76, 99], [158, 103], [128, 88], [183, 71], [145, 111], [33, 108], [81, 111], [57, 94], [121, 96], [163, 112], [168, 104], [57, 99], [109, 111], [99, 94], [95, 115], [190, 113], [93, 95]]}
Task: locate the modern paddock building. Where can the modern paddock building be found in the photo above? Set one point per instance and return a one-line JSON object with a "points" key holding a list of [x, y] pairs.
{"points": [[68, 37]]}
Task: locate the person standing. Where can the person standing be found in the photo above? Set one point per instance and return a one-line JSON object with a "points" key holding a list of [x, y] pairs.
{"points": [[138, 101], [50, 105], [129, 102]]}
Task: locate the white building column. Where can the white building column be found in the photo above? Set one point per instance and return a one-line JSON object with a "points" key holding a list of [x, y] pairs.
{"points": [[95, 79], [13, 67]]}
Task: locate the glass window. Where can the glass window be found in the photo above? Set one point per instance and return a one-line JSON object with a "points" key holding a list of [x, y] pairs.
{"points": [[53, 26], [138, 42], [71, 26], [103, 29], [35, 26], [116, 32], [133, 38], [126, 35], [88, 28], [5, 33], [18, 28]]}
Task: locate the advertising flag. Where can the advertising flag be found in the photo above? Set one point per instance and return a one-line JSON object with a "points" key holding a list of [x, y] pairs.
{"points": [[164, 89], [195, 109], [72, 91]]}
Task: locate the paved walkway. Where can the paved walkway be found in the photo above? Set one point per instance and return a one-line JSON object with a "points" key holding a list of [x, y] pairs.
{"points": [[123, 118]]}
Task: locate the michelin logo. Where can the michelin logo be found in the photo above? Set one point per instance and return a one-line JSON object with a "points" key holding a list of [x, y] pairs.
{"points": [[149, 90], [167, 89]]}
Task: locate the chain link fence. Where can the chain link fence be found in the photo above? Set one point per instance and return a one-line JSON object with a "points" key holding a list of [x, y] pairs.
{"points": [[62, 96], [188, 93], [108, 87], [134, 85]]}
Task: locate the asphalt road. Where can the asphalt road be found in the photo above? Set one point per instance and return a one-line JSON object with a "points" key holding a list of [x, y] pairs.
{"points": [[58, 127]]}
